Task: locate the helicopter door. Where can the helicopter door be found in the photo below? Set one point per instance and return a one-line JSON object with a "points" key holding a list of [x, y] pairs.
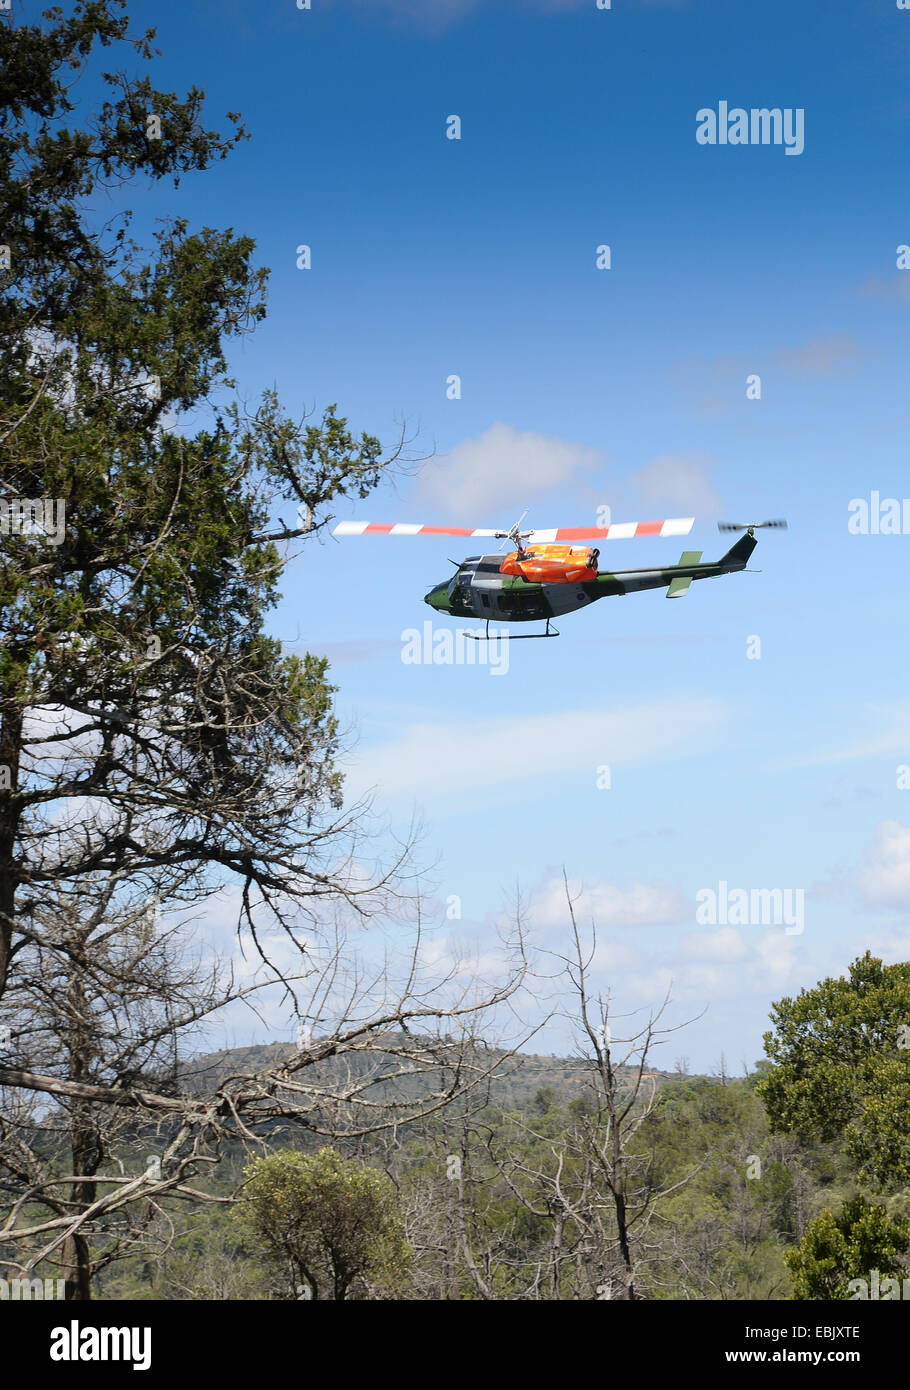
{"points": [[522, 605]]}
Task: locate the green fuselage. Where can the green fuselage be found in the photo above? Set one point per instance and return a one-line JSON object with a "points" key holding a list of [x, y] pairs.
{"points": [[479, 590]]}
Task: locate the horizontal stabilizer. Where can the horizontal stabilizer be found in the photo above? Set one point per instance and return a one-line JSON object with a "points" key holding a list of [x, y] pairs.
{"points": [[680, 585]]}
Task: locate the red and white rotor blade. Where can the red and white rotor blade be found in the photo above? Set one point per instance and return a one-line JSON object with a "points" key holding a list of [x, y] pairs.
{"points": [[403, 528], [617, 531]]}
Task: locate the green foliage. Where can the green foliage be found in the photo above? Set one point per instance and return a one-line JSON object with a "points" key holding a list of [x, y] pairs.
{"points": [[332, 1221], [721, 1234], [147, 617], [50, 166], [544, 1100], [859, 1239], [208, 1261], [841, 1066]]}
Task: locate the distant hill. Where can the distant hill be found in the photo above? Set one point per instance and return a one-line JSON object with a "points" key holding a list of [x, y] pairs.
{"points": [[514, 1084]]}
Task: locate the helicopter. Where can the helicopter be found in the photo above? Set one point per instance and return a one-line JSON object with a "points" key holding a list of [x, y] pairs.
{"points": [[546, 576]]}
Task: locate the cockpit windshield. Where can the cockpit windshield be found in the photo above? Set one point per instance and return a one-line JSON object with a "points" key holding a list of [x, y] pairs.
{"points": [[460, 588]]}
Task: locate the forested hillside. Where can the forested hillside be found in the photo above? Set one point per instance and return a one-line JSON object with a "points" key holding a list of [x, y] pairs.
{"points": [[552, 1178], [495, 1202]]}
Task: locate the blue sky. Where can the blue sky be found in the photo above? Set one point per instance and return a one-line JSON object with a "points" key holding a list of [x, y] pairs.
{"points": [[584, 388]]}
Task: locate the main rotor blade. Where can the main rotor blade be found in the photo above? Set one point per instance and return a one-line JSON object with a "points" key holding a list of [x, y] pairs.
{"points": [[404, 528], [617, 531]]}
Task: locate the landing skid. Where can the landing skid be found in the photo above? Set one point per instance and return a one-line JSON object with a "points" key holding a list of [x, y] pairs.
{"points": [[513, 637]]}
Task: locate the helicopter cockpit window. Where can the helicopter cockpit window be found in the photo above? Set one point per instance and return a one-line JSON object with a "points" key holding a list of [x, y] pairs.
{"points": [[460, 587]]}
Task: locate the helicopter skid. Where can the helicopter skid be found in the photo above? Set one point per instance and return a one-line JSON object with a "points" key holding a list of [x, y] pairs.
{"points": [[512, 637]]}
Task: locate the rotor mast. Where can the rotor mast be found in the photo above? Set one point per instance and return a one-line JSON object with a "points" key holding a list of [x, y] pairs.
{"points": [[516, 535]]}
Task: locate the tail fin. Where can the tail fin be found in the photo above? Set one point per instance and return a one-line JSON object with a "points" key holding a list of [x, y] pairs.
{"points": [[737, 557], [679, 584]]}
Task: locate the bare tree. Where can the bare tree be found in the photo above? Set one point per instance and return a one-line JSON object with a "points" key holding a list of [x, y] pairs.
{"points": [[105, 997], [108, 1117], [622, 1194], [567, 1206]]}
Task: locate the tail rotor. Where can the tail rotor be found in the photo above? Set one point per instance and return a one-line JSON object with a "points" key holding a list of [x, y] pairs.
{"points": [[751, 526]]}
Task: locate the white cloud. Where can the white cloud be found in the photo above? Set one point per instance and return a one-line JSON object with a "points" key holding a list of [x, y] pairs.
{"points": [[432, 13], [716, 972], [427, 759], [892, 946], [891, 735], [650, 988], [464, 958], [885, 878], [821, 357], [896, 288], [726, 944], [437, 13], [616, 957], [608, 905], [718, 384], [776, 952], [713, 982], [678, 483], [487, 479], [725, 967]]}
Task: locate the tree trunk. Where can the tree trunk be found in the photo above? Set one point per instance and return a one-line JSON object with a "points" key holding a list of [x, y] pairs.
{"points": [[76, 1269], [10, 812], [85, 1142]]}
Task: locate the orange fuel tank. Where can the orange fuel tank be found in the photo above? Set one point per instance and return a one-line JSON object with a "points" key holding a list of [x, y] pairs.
{"points": [[553, 564]]}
